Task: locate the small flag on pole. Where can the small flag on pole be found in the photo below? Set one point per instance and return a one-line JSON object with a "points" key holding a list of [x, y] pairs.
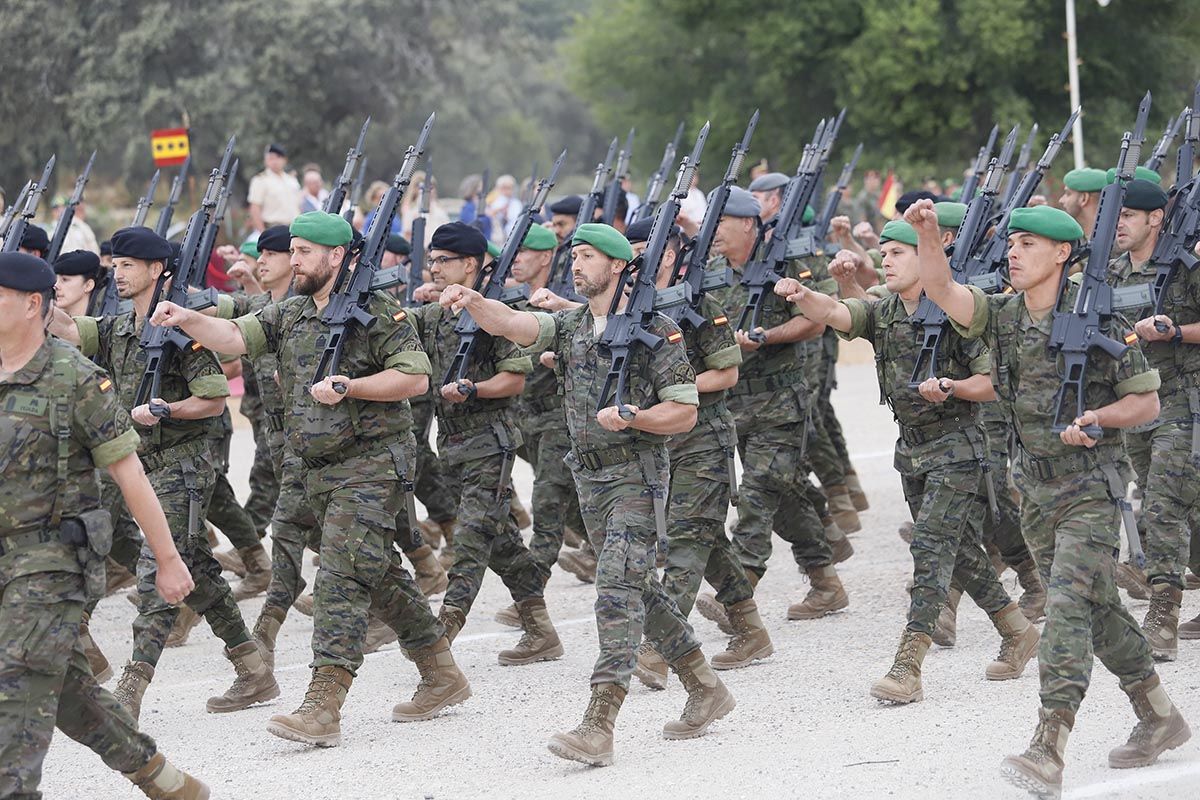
{"points": [[888, 195], [170, 146]]}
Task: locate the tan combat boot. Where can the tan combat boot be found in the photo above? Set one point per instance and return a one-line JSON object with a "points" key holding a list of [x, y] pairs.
{"points": [[1161, 625], [431, 533], [101, 669], [711, 609], [185, 620], [841, 508], [258, 573], [572, 537], [539, 642], [580, 563], [1039, 769], [750, 641], [446, 557], [304, 604], [430, 575], [116, 577], [1160, 726], [839, 544], [442, 684], [132, 686], [825, 596], [318, 719], [1018, 643], [161, 780], [708, 699], [1133, 580], [1190, 629], [1033, 591], [520, 513], [945, 631], [453, 620], [592, 741], [508, 616], [266, 629], [902, 684], [1191, 581], [857, 495], [905, 532], [230, 561], [651, 668], [255, 682], [379, 634]]}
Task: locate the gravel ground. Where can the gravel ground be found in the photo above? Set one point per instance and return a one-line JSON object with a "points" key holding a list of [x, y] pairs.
{"points": [[804, 724]]}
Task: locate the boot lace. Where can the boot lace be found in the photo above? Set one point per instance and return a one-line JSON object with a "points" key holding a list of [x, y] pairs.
{"points": [[1158, 614], [126, 687], [318, 690]]}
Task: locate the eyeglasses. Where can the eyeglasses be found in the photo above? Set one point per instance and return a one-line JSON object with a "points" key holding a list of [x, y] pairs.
{"points": [[443, 260]]}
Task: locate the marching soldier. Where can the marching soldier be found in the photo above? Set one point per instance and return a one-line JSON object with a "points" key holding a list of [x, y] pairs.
{"points": [[1081, 195]]}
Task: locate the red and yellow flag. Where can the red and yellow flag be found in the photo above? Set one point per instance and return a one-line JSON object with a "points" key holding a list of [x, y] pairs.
{"points": [[888, 195], [170, 146]]}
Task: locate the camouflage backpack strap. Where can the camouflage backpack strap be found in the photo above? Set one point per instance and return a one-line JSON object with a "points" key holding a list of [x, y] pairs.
{"points": [[62, 391], [883, 346], [1005, 345]]}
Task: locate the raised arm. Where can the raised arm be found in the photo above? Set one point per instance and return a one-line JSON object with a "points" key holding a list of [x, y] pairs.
{"points": [[953, 298], [818, 307], [493, 316], [218, 335]]}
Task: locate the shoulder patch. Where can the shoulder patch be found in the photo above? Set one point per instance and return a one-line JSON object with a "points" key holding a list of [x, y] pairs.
{"points": [[400, 315], [1130, 338], [197, 347], [674, 337], [721, 320], [105, 384]]}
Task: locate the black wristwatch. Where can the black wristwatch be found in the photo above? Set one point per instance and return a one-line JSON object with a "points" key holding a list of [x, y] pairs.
{"points": [[468, 389], [946, 386], [1178, 337]]}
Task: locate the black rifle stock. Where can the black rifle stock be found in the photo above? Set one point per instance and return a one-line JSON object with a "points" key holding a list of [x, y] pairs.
{"points": [[982, 159], [28, 210], [658, 180], [1159, 154], [342, 186], [1017, 174], [613, 192], [68, 212], [810, 239], [10, 212]]}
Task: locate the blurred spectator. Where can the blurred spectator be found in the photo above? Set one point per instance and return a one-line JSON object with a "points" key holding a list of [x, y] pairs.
{"points": [[503, 206], [375, 193], [409, 209], [632, 201], [471, 192], [80, 235], [866, 202], [691, 210], [274, 195], [314, 192]]}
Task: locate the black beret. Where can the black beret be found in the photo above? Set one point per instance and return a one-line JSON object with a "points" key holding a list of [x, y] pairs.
{"points": [[277, 149], [639, 231], [25, 273], [398, 244], [459, 237], [908, 198], [1144, 195], [78, 262], [568, 206], [35, 238], [140, 243], [276, 238], [106, 248]]}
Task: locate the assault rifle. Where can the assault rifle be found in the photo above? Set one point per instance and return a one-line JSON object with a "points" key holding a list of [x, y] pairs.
{"points": [[146, 201], [810, 239], [352, 288], [416, 257], [356, 191], [1185, 157], [560, 281], [10, 212], [68, 212], [982, 159], [1076, 332], [481, 201], [491, 285], [213, 226], [342, 186], [682, 298], [1174, 247], [658, 181], [1018, 172], [28, 210], [632, 325], [162, 344], [613, 192], [974, 226], [1159, 154], [165, 216]]}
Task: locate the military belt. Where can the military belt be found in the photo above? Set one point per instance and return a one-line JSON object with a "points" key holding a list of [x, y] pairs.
{"points": [[542, 404], [161, 458], [608, 456], [274, 422], [451, 426], [358, 447], [769, 383], [913, 435], [21, 541], [1055, 467]]}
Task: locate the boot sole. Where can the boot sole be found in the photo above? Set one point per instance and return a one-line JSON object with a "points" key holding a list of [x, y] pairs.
{"points": [[261, 697], [1034, 786], [437, 588], [721, 712], [564, 750], [798, 616], [758, 655], [896, 699], [1025, 658], [507, 621], [1164, 655], [549, 655], [284, 732], [1189, 635], [848, 527], [461, 696], [104, 675], [652, 680], [1180, 736], [715, 612]]}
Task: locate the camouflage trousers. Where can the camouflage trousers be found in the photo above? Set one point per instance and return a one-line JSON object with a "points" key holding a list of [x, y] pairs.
{"points": [[434, 486], [1170, 482], [828, 463], [949, 510], [1003, 532], [294, 526], [127, 537], [618, 511], [224, 510], [264, 479], [355, 503], [1071, 523], [212, 598], [486, 537], [555, 504], [45, 680]]}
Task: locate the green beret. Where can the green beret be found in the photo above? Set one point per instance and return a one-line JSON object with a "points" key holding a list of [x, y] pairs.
{"points": [[605, 238], [950, 215], [493, 249], [540, 238], [1140, 173], [1144, 195], [1086, 179], [897, 230], [1053, 223], [322, 228], [808, 216], [249, 248]]}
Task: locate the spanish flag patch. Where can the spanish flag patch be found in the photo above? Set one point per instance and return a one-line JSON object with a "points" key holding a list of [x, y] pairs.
{"points": [[674, 337], [105, 385], [197, 347], [721, 320], [399, 315], [1130, 338], [805, 275]]}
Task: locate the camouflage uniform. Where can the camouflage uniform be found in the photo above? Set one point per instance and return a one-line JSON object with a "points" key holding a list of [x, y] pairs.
{"points": [[356, 458], [701, 467], [820, 357], [1069, 495], [1003, 532], [770, 406], [939, 456], [475, 438], [224, 511], [617, 476], [177, 457], [436, 487], [1166, 452], [264, 477], [57, 398]]}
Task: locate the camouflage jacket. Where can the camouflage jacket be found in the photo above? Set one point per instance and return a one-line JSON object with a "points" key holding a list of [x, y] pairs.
{"points": [[711, 347], [541, 385]]}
